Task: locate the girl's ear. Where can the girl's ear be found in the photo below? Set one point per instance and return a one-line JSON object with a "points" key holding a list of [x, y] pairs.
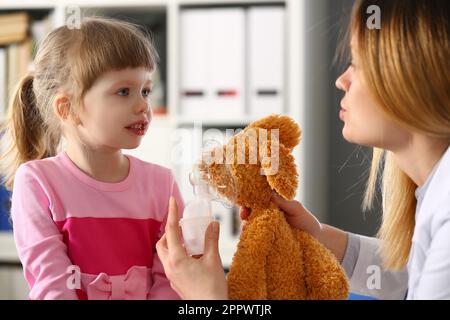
{"points": [[63, 109], [288, 130], [279, 167], [61, 106]]}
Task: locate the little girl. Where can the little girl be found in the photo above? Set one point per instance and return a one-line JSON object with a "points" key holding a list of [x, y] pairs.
{"points": [[86, 219]]}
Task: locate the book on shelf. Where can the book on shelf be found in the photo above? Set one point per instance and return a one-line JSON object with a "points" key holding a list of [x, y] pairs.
{"points": [[13, 27], [19, 38], [19, 62], [3, 82], [15, 62]]}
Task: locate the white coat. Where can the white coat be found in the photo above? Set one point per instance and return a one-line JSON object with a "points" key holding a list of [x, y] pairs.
{"points": [[427, 275]]}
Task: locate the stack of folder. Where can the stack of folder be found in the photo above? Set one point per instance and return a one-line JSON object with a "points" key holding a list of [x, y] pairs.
{"points": [[232, 62]]}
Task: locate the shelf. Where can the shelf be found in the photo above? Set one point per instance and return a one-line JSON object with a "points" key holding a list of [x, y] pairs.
{"points": [[212, 122], [119, 7], [118, 4], [227, 2], [26, 4], [31, 4], [8, 252]]}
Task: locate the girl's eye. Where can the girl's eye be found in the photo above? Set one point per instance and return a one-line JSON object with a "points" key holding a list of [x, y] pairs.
{"points": [[123, 92], [146, 92]]}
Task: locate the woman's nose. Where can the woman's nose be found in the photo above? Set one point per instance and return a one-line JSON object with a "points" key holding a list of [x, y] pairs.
{"points": [[343, 82]]}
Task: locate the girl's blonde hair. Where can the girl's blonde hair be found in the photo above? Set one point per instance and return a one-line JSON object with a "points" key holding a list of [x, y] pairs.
{"points": [[406, 66], [68, 61]]}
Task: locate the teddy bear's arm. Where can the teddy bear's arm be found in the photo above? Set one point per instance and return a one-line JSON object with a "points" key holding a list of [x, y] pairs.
{"points": [[247, 278], [325, 277]]}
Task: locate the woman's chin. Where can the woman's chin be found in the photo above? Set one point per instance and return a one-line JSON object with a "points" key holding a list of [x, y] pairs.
{"points": [[346, 133], [362, 140], [350, 136]]}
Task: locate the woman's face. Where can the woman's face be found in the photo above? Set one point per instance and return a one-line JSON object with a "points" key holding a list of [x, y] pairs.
{"points": [[117, 100], [364, 122]]}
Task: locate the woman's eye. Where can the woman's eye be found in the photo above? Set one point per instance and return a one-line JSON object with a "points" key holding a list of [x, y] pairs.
{"points": [[123, 92], [146, 92]]}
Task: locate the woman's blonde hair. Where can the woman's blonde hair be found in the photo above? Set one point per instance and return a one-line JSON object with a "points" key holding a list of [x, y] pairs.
{"points": [[406, 64], [68, 61]]}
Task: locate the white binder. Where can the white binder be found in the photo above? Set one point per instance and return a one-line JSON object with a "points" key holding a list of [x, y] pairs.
{"points": [[266, 52], [213, 62], [228, 62], [194, 55]]}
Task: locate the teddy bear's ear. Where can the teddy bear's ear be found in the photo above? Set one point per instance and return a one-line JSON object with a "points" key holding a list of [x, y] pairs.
{"points": [[279, 167], [289, 131]]}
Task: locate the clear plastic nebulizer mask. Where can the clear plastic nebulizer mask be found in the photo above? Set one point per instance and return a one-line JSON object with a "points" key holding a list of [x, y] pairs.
{"points": [[197, 215]]}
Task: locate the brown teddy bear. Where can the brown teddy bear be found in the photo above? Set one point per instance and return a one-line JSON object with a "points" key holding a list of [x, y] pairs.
{"points": [[273, 260]]}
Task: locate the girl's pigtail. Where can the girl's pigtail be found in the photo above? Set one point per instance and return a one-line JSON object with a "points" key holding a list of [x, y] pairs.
{"points": [[24, 134]]}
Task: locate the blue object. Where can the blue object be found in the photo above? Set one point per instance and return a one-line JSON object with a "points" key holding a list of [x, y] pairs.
{"points": [[354, 296], [5, 205]]}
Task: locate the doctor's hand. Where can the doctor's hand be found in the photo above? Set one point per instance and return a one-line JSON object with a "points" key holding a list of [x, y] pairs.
{"points": [[191, 278], [296, 215]]}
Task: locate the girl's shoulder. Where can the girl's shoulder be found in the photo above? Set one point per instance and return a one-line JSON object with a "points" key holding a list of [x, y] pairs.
{"points": [[42, 172], [41, 166]]}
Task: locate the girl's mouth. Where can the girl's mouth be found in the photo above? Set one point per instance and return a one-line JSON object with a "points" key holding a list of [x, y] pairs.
{"points": [[137, 131], [138, 128]]}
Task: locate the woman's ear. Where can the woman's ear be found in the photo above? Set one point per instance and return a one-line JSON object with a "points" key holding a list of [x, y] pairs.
{"points": [[279, 167]]}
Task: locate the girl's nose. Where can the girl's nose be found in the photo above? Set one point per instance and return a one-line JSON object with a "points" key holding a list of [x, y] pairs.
{"points": [[143, 105], [343, 82]]}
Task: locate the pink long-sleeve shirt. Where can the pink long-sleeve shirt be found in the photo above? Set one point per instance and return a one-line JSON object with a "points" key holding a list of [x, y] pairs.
{"points": [[80, 238]]}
